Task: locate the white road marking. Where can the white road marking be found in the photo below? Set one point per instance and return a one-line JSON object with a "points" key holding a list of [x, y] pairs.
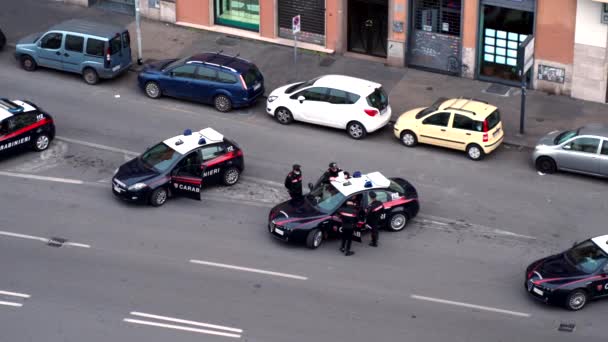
{"points": [[14, 294], [263, 181], [247, 269], [94, 145], [445, 222], [10, 304], [177, 320], [42, 239], [178, 327], [44, 178], [471, 306]]}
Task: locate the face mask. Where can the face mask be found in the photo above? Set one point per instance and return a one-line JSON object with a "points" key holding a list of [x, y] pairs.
{"points": [[296, 172]]}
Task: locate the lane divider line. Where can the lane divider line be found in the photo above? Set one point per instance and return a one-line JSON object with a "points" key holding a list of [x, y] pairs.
{"points": [[97, 146], [41, 239], [179, 327], [184, 321], [14, 294], [11, 304], [470, 306], [44, 178], [248, 269]]}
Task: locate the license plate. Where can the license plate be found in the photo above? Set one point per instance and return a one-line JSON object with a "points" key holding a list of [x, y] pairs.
{"points": [[496, 133], [117, 189], [538, 292], [278, 231], [257, 86], [116, 68]]}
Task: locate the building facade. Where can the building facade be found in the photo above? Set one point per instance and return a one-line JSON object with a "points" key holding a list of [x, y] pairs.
{"points": [[471, 38]]}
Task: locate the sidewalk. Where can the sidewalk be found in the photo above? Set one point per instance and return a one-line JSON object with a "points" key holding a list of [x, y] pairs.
{"points": [[408, 88]]}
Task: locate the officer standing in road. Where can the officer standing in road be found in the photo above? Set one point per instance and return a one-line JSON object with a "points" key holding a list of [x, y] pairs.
{"points": [[349, 216], [293, 183], [374, 213]]}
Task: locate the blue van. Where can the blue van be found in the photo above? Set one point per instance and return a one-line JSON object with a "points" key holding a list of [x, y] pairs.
{"points": [[225, 81], [91, 49]]}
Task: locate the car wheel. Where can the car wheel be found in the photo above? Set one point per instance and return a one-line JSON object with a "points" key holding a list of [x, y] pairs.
{"points": [[42, 142], [546, 165], [90, 76], [158, 197], [28, 63], [356, 130], [576, 300], [474, 152], [314, 239], [408, 138], [231, 176], [283, 116], [152, 90], [222, 103], [397, 222]]}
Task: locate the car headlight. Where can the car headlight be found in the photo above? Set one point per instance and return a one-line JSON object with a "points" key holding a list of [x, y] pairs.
{"points": [[272, 98], [137, 187], [116, 171]]}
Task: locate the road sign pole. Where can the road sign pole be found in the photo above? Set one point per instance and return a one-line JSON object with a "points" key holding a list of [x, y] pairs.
{"points": [[522, 115], [138, 30], [295, 53]]}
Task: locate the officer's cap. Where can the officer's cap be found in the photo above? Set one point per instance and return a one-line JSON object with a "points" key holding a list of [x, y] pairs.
{"points": [[296, 167], [333, 164]]}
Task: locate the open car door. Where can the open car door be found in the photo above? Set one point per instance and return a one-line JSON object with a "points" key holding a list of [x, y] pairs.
{"points": [[187, 181]]}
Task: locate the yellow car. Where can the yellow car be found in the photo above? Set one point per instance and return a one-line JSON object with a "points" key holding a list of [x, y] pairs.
{"points": [[468, 125]]}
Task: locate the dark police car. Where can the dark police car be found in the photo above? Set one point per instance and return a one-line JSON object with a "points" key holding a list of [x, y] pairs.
{"points": [[225, 81], [23, 124], [573, 277], [314, 218], [179, 166]]}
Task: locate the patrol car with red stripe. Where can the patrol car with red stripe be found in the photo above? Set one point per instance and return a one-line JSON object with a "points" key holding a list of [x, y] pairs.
{"points": [[179, 166], [315, 218], [24, 125], [571, 278]]}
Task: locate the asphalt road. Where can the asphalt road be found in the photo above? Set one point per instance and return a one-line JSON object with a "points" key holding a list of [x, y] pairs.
{"points": [[455, 274]]}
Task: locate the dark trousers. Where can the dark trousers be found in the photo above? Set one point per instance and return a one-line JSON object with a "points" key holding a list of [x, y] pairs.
{"points": [[347, 238], [296, 196], [375, 233]]}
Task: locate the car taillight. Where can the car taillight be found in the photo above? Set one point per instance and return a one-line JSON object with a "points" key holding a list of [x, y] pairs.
{"points": [[371, 112], [243, 82], [485, 129], [239, 153], [108, 55]]}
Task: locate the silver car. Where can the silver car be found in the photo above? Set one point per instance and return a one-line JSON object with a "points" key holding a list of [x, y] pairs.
{"points": [[584, 150]]}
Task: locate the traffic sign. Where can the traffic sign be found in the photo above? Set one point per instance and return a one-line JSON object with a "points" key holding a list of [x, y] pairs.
{"points": [[295, 24]]}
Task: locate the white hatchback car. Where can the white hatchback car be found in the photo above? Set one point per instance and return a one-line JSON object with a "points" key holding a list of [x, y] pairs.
{"points": [[344, 102]]}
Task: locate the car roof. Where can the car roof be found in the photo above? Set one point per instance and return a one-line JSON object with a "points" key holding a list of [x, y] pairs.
{"points": [[89, 27], [352, 185], [601, 242], [594, 129], [232, 63], [478, 108], [347, 83], [6, 108], [191, 141]]}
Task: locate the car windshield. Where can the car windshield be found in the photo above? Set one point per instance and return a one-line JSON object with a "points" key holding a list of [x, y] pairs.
{"points": [[160, 157], [586, 256], [175, 63], [300, 85], [325, 197], [378, 99], [564, 136]]}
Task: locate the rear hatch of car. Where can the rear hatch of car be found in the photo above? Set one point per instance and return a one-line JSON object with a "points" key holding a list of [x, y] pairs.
{"points": [[492, 128], [253, 81], [378, 100], [118, 51]]}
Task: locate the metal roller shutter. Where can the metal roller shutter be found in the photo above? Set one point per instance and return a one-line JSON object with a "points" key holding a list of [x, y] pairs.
{"points": [[312, 13]]}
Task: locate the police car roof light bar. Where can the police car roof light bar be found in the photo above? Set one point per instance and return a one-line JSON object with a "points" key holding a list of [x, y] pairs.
{"points": [[368, 184], [202, 141], [10, 106], [188, 132], [357, 174]]}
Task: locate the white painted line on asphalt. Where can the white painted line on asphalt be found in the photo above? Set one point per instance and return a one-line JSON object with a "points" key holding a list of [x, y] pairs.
{"points": [[247, 269], [44, 178], [264, 181], [14, 294], [41, 239], [179, 327], [178, 320], [471, 306], [445, 222], [94, 145], [11, 304]]}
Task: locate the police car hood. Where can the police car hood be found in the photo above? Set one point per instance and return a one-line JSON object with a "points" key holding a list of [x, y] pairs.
{"points": [[290, 212], [135, 171], [556, 270]]}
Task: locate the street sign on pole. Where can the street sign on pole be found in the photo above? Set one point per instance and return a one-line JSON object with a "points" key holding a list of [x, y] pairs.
{"points": [[295, 24], [525, 61]]}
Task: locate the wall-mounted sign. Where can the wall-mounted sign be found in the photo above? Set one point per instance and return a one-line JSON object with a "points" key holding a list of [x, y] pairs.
{"points": [[551, 74], [445, 27], [398, 26]]}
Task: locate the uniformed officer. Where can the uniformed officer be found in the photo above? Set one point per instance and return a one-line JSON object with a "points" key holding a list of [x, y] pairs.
{"points": [[293, 183], [374, 212], [349, 216], [332, 172]]}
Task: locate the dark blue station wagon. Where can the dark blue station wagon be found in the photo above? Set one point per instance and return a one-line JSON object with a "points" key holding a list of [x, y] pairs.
{"points": [[225, 81]]}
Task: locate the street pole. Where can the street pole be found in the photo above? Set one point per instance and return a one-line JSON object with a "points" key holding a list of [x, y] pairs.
{"points": [[138, 29], [295, 52], [523, 104]]}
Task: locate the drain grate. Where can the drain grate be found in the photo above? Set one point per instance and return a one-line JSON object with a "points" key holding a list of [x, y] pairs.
{"points": [[56, 242], [327, 61], [498, 89], [567, 327]]}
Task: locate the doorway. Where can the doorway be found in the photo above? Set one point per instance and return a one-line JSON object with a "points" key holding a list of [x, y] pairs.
{"points": [[368, 27]]}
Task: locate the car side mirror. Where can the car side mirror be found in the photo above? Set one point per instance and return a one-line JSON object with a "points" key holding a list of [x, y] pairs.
{"points": [[301, 99], [310, 186], [567, 147]]}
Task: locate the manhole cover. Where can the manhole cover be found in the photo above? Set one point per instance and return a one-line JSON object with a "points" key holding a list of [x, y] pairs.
{"points": [[227, 41], [56, 242], [567, 327], [327, 61], [498, 89]]}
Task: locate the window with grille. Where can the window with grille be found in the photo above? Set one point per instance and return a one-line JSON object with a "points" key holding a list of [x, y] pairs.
{"points": [[438, 16]]}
